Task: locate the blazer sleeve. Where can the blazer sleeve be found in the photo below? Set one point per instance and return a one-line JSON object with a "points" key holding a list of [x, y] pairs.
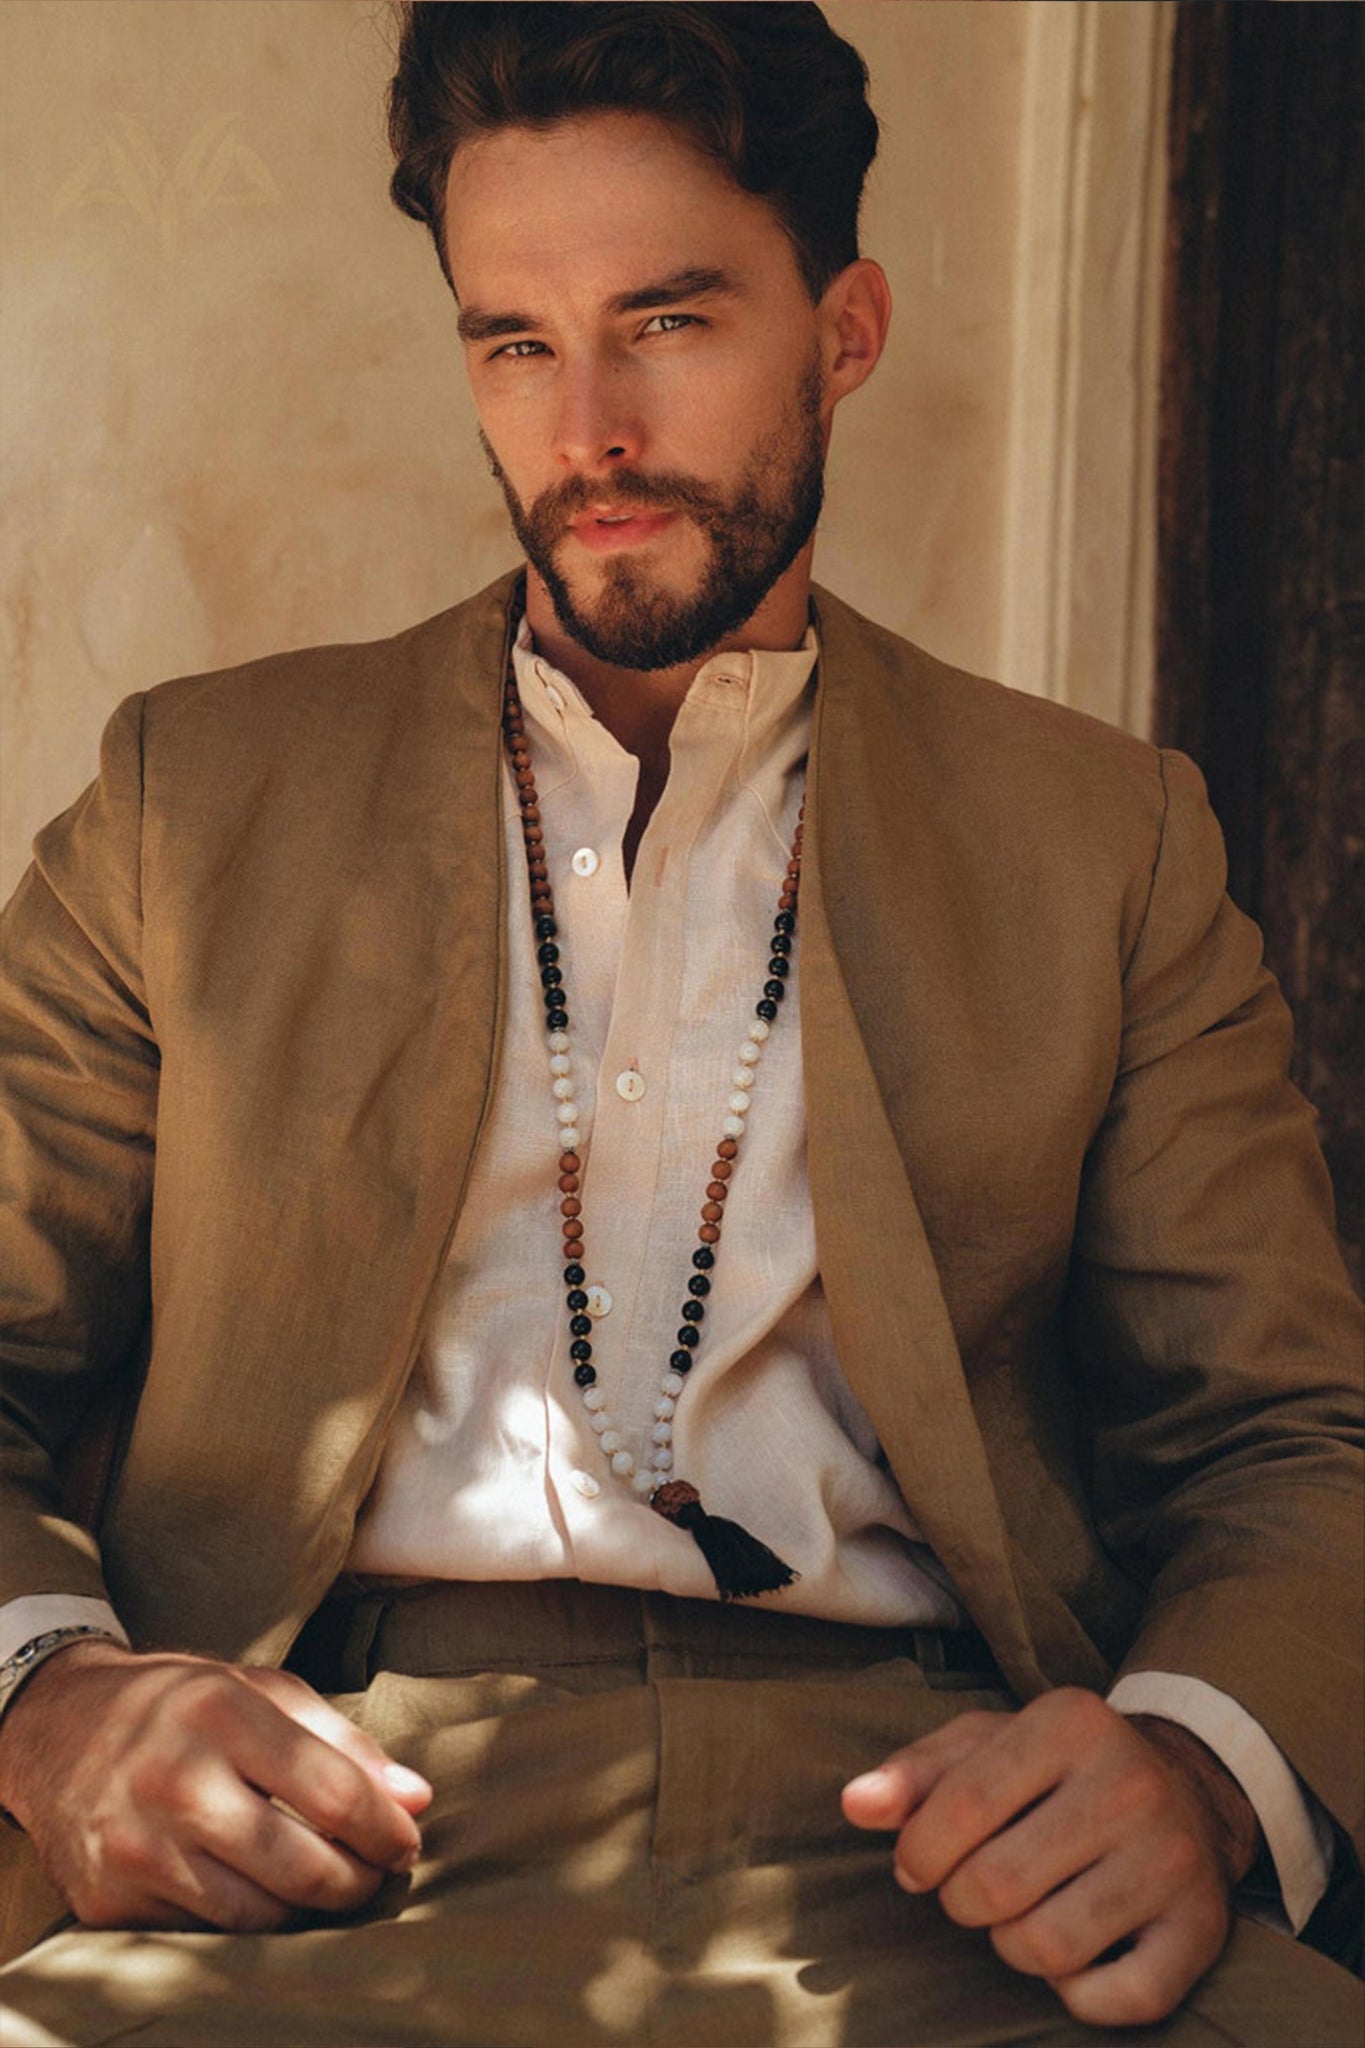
{"points": [[1226, 1413], [78, 1089]]}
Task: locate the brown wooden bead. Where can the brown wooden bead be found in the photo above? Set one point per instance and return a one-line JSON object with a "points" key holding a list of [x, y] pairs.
{"points": [[525, 779], [573, 1251], [537, 869], [573, 1226], [786, 901], [569, 1183], [716, 1190], [712, 1211], [571, 1206], [709, 1233], [728, 1148], [721, 1169], [569, 1162]]}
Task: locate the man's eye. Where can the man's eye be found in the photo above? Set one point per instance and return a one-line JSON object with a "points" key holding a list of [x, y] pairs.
{"points": [[670, 323], [518, 350]]}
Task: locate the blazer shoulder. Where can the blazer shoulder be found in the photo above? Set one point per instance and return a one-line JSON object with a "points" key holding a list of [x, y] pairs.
{"points": [[275, 698]]}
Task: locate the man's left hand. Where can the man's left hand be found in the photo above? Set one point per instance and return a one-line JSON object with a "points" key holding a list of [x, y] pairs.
{"points": [[1069, 1831]]}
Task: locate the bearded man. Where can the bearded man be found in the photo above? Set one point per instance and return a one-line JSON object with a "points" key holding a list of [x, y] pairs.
{"points": [[724, 1299]]}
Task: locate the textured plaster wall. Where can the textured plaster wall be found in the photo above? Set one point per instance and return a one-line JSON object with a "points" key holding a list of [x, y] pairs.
{"points": [[232, 407]]}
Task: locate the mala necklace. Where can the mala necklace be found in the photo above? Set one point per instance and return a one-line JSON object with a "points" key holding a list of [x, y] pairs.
{"points": [[740, 1564]]}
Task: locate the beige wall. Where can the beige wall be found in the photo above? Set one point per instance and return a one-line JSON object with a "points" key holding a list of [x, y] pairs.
{"points": [[233, 412]]}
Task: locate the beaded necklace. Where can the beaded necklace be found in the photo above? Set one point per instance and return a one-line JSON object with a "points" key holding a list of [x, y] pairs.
{"points": [[741, 1565]]}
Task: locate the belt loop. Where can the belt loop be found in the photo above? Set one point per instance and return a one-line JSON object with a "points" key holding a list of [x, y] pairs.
{"points": [[358, 1660]]}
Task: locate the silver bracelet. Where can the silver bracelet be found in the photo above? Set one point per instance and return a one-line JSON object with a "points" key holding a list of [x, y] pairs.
{"points": [[21, 1666]]}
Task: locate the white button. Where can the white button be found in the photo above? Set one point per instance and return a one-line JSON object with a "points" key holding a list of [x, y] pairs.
{"points": [[585, 861], [584, 1483], [630, 1086], [554, 696], [599, 1301]]}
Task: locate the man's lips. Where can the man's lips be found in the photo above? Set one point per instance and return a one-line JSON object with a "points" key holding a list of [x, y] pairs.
{"points": [[602, 528]]}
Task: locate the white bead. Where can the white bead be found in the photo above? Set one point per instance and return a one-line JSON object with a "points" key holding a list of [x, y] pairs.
{"points": [[750, 1054], [665, 1406], [570, 1137], [739, 1103], [611, 1440], [622, 1464], [671, 1383], [758, 1030], [559, 1041], [643, 1482], [662, 1433], [594, 1398], [600, 1423], [742, 1078], [560, 1062], [662, 1460], [567, 1113], [562, 1089], [733, 1127]]}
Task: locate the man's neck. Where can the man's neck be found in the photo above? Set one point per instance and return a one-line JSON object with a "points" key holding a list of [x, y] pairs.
{"points": [[638, 706]]}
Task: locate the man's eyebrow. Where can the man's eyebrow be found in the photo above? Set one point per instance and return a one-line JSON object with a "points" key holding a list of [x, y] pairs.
{"points": [[671, 290], [475, 325]]}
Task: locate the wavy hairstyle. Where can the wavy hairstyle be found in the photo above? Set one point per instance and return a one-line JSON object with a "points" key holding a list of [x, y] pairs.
{"points": [[769, 91]]}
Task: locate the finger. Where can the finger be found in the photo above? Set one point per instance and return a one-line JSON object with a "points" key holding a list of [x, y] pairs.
{"points": [[298, 1699], [887, 1796], [274, 1752], [282, 1856], [1141, 1987], [974, 1799], [1083, 1919]]}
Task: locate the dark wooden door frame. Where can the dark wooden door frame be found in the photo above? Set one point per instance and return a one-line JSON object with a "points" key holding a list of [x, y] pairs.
{"points": [[1261, 503]]}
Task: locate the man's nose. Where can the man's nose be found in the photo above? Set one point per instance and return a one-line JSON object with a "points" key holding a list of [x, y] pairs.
{"points": [[599, 426]]}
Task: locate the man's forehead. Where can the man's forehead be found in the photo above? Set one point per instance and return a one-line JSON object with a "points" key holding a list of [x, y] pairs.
{"points": [[605, 205]]}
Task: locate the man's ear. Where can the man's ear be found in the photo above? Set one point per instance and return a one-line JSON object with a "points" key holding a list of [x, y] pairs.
{"points": [[854, 314]]}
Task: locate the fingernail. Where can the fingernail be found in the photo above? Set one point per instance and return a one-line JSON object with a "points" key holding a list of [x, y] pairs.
{"points": [[413, 1857], [870, 1781], [907, 1884], [404, 1780]]}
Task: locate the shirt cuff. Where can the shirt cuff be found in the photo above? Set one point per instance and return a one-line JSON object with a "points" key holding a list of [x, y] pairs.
{"points": [[36, 1614], [1297, 1828]]}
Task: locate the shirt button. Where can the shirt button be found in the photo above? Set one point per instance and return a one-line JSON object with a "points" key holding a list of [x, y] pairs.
{"points": [[599, 1302], [630, 1086], [584, 1483], [585, 861], [554, 696]]}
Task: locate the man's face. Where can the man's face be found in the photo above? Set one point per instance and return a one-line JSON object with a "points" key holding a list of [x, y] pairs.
{"points": [[645, 361]]}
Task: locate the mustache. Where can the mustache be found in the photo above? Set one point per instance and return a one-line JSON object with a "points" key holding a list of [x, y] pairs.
{"points": [[623, 490]]}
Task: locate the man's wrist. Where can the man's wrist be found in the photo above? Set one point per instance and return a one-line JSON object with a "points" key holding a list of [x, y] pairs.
{"points": [[80, 1640], [16, 1670], [1233, 1830]]}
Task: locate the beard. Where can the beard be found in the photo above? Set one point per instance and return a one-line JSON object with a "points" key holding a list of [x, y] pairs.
{"points": [[753, 534]]}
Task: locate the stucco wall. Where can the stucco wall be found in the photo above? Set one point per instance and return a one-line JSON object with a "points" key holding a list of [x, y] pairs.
{"points": [[233, 409]]}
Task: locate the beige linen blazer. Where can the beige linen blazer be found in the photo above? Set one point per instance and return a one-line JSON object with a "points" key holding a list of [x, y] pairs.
{"points": [[1073, 1224]]}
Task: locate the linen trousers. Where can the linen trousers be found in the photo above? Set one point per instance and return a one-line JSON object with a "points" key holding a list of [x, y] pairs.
{"points": [[636, 1842]]}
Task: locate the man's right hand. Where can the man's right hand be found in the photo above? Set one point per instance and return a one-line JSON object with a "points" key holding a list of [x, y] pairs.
{"points": [[170, 1791]]}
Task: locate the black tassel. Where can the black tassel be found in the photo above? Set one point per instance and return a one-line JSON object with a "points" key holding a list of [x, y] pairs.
{"points": [[740, 1565]]}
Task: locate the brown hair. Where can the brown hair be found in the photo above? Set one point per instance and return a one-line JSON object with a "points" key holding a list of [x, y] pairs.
{"points": [[770, 91]]}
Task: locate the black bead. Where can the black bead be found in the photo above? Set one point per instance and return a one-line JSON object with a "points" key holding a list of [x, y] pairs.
{"points": [[584, 1375], [580, 1348], [574, 1275], [554, 996], [578, 1300], [551, 977], [546, 927], [703, 1258], [780, 967], [580, 1326], [558, 1020], [681, 1361], [547, 955], [785, 921], [774, 991], [699, 1284], [687, 1335], [781, 942], [692, 1311], [767, 1010]]}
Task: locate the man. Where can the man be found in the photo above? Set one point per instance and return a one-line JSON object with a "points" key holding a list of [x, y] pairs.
{"points": [[392, 1046]]}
